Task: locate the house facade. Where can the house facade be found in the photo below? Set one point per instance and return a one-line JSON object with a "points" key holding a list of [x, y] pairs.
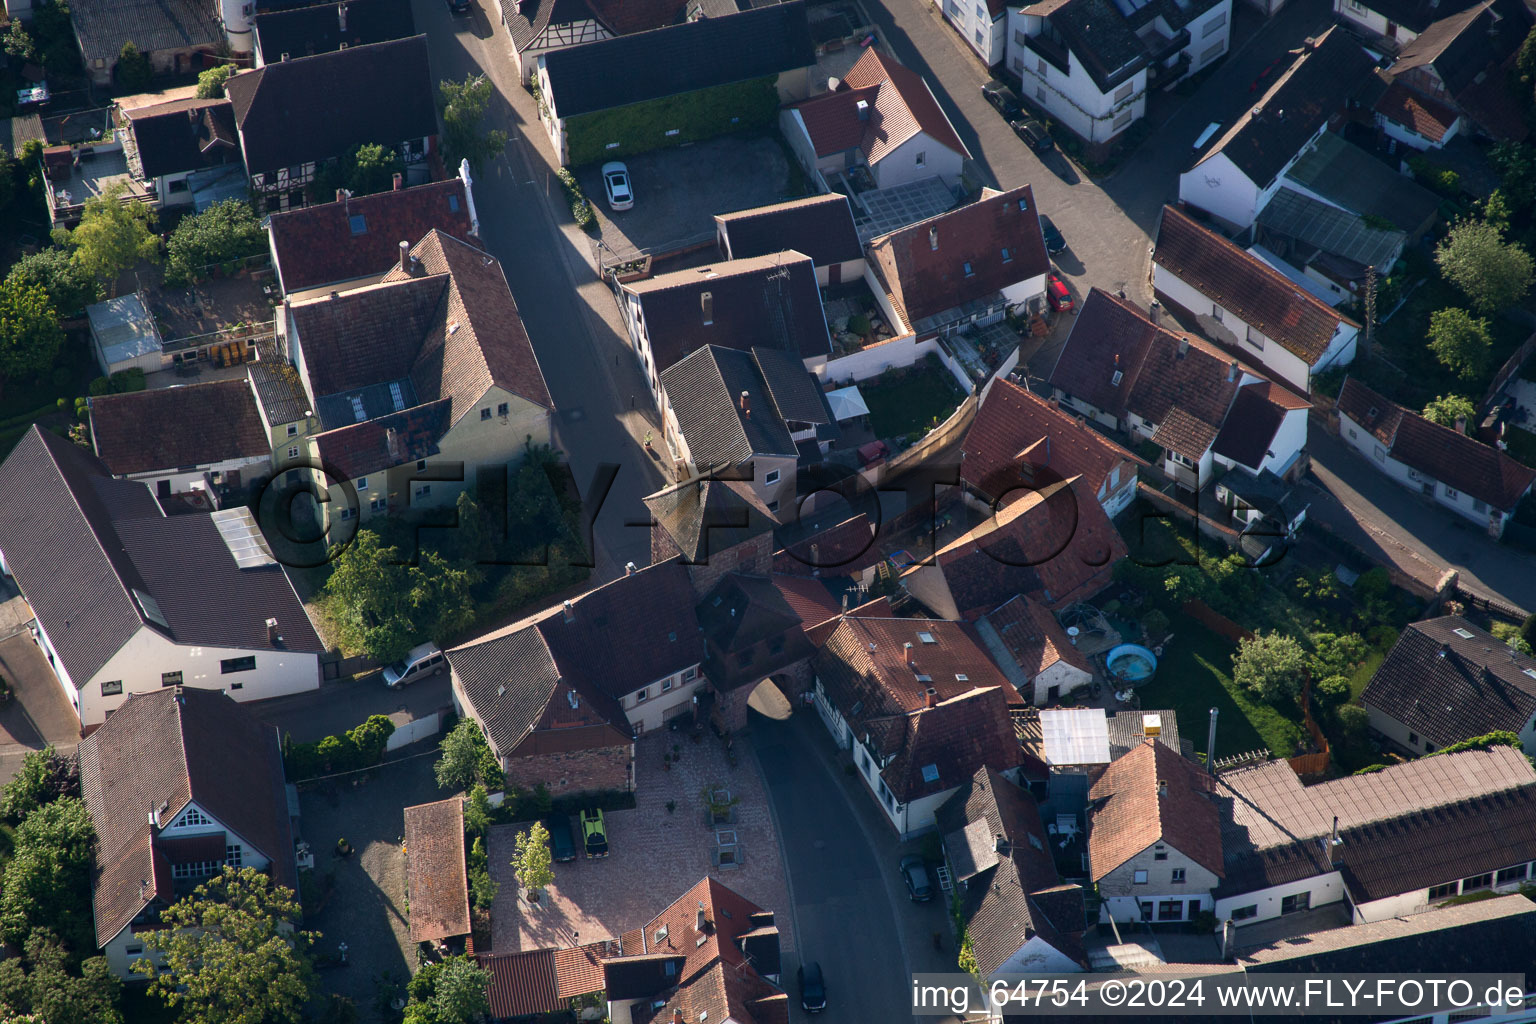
{"points": [[1034, 652], [982, 24], [1478, 482]]}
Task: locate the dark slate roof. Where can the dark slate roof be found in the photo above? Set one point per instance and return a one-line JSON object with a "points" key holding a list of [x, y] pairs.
{"points": [[382, 92], [1276, 498], [1099, 37], [103, 26], [1417, 15], [998, 237], [751, 631], [1253, 290], [1252, 423], [769, 301], [678, 59], [555, 685], [79, 543], [172, 747], [1441, 453], [1464, 45], [182, 135], [706, 516], [365, 336], [1448, 687], [819, 226], [305, 31], [171, 428], [1303, 98], [705, 391], [279, 391], [316, 245], [377, 444], [1346, 175]]}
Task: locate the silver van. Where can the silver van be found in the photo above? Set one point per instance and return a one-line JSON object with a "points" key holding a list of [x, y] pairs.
{"points": [[423, 661]]}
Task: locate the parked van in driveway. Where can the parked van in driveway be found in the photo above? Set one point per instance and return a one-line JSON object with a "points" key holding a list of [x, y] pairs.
{"points": [[423, 661]]}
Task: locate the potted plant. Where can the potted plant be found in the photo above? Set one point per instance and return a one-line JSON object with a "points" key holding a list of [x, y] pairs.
{"points": [[666, 761], [677, 752], [343, 848]]}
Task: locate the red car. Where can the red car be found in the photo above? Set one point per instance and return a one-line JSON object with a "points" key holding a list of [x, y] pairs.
{"points": [[1058, 296]]}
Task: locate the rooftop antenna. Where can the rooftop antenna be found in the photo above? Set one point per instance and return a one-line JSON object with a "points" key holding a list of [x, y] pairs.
{"points": [[1210, 745]]}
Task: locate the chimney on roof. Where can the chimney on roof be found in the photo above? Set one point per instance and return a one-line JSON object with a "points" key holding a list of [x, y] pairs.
{"points": [[746, 405], [341, 16], [1232, 371], [285, 59], [568, 610], [1333, 840], [930, 698], [707, 307], [1155, 312], [341, 195], [699, 922], [933, 238], [272, 637], [398, 181], [907, 654], [845, 602], [1000, 843], [629, 568], [677, 1016], [1226, 938], [1461, 424], [1445, 649], [863, 108], [405, 257], [1162, 787]]}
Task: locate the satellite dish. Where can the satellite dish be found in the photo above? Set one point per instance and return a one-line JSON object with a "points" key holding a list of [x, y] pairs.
{"points": [[1073, 631]]}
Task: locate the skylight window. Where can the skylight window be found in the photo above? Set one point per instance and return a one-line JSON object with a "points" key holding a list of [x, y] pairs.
{"points": [[453, 203], [930, 773], [968, 271], [926, 638], [151, 608], [359, 224], [1117, 378], [1464, 634], [961, 677]]}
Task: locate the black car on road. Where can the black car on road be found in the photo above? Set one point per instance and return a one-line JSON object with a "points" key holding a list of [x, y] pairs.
{"points": [[1054, 241], [1033, 133], [813, 989], [1004, 99]]}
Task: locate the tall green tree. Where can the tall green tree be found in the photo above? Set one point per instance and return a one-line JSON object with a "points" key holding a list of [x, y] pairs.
{"points": [[69, 285], [30, 334], [113, 236], [210, 83], [134, 71], [533, 864], [450, 992], [464, 105], [1460, 341], [1494, 274], [44, 776], [374, 168], [19, 42], [43, 981], [384, 606], [1270, 666], [464, 758], [232, 953], [226, 231], [1447, 409], [48, 881]]}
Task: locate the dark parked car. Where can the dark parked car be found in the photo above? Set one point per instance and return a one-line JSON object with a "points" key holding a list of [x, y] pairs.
{"points": [[1003, 98], [458, 6], [813, 990], [594, 833], [1033, 133], [915, 874], [1054, 242], [561, 846]]}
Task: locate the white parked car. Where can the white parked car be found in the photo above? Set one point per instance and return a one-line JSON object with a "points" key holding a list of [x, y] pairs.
{"points": [[425, 660], [616, 183]]}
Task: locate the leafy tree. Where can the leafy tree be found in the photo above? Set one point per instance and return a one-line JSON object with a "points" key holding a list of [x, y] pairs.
{"points": [[10, 178], [464, 751], [227, 230], [383, 605], [30, 334], [113, 236], [450, 992], [42, 982], [1515, 163], [1497, 211], [477, 810], [210, 83], [1528, 630], [45, 776], [1508, 633], [1525, 60], [374, 168], [464, 105], [1335, 654], [1493, 273], [533, 863], [481, 888], [1460, 341], [1332, 691], [19, 42], [370, 738], [134, 71], [1270, 666], [69, 285], [48, 880], [1447, 409], [54, 33], [231, 953]]}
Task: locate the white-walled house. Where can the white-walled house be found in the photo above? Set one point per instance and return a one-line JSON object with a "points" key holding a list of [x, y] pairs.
{"points": [[1395, 22], [1446, 680], [1091, 63], [881, 116], [1265, 431], [1245, 165], [982, 24], [1476, 481], [1246, 305], [179, 785], [128, 600], [920, 706], [1034, 652]]}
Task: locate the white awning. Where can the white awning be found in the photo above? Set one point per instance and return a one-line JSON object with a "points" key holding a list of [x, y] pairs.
{"points": [[846, 403]]}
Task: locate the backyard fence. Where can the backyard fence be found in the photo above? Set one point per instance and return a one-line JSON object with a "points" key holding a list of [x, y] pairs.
{"points": [[1214, 621], [416, 729], [873, 360], [940, 437]]}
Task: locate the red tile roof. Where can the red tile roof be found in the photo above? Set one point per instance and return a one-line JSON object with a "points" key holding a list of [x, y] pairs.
{"points": [[316, 245], [626, 16], [1135, 815], [727, 915], [523, 984], [435, 880], [167, 428], [924, 265], [721, 993], [1253, 290], [840, 550], [1416, 112], [1034, 638], [808, 598], [1441, 453], [1014, 429], [900, 106], [579, 971], [373, 446]]}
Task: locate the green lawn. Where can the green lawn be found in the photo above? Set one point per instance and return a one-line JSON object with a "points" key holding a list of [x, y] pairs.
{"points": [[1361, 677], [24, 401], [1195, 675], [910, 401], [1522, 445]]}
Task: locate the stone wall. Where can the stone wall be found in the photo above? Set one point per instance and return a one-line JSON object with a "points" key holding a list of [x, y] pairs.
{"points": [[577, 771]]}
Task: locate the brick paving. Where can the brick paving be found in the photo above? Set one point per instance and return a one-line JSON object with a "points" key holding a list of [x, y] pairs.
{"points": [[654, 855]]}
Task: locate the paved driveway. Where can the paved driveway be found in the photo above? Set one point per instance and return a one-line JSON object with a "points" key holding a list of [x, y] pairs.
{"points": [[338, 706], [655, 855], [38, 713]]}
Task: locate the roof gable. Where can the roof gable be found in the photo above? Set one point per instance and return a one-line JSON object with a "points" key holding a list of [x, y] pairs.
{"points": [[723, 408], [705, 516], [820, 226], [169, 428], [1152, 795], [1251, 424], [326, 27], [181, 135], [897, 105]]}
